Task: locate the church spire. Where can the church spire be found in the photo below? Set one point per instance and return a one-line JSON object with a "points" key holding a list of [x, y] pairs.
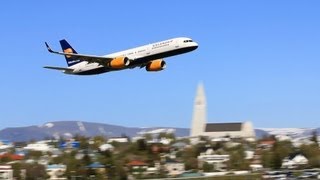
{"points": [[199, 112]]}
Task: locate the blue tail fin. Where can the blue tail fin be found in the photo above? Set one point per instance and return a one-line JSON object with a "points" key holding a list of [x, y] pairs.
{"points": [[66, 48]]}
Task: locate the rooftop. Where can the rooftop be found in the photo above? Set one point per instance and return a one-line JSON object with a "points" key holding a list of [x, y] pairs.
{"points": [[220, 127]]}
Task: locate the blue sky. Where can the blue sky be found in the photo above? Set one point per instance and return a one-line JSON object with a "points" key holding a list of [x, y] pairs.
{"points": [[258, 60]]}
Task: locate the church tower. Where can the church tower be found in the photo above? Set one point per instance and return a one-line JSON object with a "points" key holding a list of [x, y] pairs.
{"points": [[199, 112]]}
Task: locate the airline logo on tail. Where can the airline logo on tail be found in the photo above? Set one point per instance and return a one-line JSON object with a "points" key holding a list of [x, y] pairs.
{"points": [[69, 50], [66, 48]]}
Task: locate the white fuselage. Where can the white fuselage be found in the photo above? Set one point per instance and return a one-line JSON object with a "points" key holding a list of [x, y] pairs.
{"points": [[139, 56]]}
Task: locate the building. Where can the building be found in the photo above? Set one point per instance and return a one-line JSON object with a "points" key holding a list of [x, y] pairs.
{"points": [[39, 146], [200, 127], [294, 161], [137, 167], [97, 167], [217, 160], [233, 130], [56, 171], [5, 145], [6, 172], [69, 145], [106, 147], [118, 139], [174, 168], [199, 113]]}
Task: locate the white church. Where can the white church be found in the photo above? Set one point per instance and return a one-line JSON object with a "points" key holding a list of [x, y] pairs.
{"points": [[200, 127]]}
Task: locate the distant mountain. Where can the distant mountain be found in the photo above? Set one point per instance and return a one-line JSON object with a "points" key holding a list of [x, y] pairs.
{"points": [[292, 133], [70, 128], [261, 133]]}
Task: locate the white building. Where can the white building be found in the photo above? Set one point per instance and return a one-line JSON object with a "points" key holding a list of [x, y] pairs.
{"points": [[106, 147], [6, 172], [118, 139], [56, 171], [217, 160], [296, 161], [39, 146], [5, 145], [200, 127], [174, 168]]}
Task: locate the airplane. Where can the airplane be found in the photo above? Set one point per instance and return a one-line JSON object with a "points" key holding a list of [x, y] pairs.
{"points": [[148, 56]]}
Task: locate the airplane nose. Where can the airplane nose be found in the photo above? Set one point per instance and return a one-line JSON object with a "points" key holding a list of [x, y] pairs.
{"points": [[195, 45]]}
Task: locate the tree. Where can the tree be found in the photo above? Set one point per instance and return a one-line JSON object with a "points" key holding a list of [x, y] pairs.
{"points": [[207, 167], [147, 136], [5, 159], [312, 153], [266, 159], [166, 135], [237, 158], [315, 161], [16, 170], [191, 163], [86, 160], [141, 145], [34, 155], [314, 137], [281, 150], [98, 141], [120, 172], [84, 142], [35, 171], [276, 160]]}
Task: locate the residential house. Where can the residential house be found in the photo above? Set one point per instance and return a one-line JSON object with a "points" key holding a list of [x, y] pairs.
{"points": [[39, 146], [249, 154], [56, 171], [137, 167], [69, 145], [6, 172], [294, 161], [255, 163], [11, 157], [5, 146], [164, 141], [159, 148], [118, 139], [174, 168], [97, 167], [217, 160], [153, 170], [256, 167], [106, 147]]}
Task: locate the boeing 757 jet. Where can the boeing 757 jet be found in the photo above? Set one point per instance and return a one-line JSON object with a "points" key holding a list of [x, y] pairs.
{"points": [[148, 56]]}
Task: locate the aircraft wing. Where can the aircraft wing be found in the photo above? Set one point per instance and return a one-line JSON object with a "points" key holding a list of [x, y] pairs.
{"points": [[83, 57], [58, 68]]}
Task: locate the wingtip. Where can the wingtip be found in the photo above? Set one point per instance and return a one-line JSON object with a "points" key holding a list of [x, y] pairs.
{"points": [[48, 47]]}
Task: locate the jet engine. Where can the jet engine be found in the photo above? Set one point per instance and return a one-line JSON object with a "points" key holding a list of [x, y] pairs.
{"points": [[119, 62], [156, 65]]}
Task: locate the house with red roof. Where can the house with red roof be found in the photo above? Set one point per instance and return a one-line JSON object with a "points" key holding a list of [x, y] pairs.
{"points": [[137, 167], [11, 157]]}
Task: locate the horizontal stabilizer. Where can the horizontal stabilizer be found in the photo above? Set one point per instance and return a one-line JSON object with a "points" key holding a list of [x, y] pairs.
{"points": [[58, 68], [81, 57]]}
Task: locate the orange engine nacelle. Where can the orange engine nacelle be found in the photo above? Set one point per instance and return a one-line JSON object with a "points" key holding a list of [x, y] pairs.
{"points": [[156, 65], [119, 62]]}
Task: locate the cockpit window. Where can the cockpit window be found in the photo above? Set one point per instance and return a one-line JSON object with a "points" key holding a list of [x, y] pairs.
{"points": [[185, 41]]}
